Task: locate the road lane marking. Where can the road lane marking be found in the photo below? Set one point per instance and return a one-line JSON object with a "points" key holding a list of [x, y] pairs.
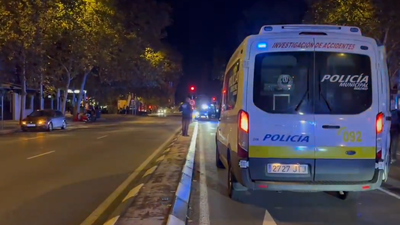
{"points": [[101, 137], [32, 138], [150, 171], [161, 158], [390, 193], [204, 207], [268, 220], [35, 156], [127, 200], [99, 211]]}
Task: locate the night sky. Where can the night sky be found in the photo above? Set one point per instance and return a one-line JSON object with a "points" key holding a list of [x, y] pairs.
{"points": [[201, 26]]}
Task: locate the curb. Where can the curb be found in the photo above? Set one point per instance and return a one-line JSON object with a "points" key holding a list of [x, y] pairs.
{"points": [[180, 208], [9, 131]]}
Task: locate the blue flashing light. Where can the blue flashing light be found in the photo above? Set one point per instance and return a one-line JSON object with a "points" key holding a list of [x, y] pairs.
{"points": [[262, 45], [354, 29], [268, 28]]}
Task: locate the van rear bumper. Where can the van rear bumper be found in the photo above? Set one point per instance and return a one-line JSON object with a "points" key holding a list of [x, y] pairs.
{"points": [[246, 181]]}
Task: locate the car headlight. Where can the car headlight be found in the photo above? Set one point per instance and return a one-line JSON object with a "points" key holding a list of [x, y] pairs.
{"points": [[41, 122]]}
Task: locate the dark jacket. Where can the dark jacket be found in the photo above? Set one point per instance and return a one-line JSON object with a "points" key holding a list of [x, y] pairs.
{"points": [[186, 110]]}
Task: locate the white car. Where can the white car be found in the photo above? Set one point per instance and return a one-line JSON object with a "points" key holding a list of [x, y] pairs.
{"points": [[162, 111], [306, 108]]}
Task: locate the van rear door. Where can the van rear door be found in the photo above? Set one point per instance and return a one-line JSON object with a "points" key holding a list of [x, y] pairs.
{"points": [[346, 108], [279, 103]]}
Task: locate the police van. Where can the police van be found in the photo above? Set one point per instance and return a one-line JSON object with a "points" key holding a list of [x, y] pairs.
{"points": [[306, 108]]}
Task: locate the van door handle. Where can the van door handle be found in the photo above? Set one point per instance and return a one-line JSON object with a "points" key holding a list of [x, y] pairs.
{"points": [[330, 127]]}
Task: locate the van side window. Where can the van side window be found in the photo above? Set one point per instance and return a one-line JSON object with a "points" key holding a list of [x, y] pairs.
{"points": [[230, 89]]}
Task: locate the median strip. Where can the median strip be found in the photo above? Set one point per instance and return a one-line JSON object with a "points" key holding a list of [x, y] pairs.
{"points": [[164, 186], [101, 209]]}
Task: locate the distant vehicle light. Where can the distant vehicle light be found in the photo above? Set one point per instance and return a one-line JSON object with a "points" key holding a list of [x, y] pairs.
{"points": [[204, 106]]}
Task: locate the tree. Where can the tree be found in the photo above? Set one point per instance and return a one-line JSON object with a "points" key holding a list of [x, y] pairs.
{"points": [[85, 37], [267, 13], [23, 24], [219, 64], [376, 19]]}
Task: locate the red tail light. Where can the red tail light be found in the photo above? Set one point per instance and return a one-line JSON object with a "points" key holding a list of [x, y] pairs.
{"points": [[379, 123], [244, 121], [379, 129], [379, 155], [243, 135]]}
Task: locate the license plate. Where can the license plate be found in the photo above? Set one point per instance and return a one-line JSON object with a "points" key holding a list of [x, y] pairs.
{"points": [[31, 125], [287, 168]]}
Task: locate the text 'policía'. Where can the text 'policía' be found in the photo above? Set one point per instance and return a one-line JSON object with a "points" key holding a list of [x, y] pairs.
{"points": [[286, 138]]}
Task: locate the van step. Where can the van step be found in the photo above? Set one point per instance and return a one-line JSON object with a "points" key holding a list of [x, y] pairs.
{"points": [[239, 187]]}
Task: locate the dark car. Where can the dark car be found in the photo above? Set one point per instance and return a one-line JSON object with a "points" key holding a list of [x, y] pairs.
{"points": [[44, 120]]}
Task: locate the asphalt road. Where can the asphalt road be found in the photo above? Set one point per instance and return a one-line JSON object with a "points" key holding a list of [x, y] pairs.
{"points": [[210, 204], [60, 178]]}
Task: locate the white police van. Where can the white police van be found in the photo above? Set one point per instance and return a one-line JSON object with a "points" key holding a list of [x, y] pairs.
{"points": [[306, 108]]}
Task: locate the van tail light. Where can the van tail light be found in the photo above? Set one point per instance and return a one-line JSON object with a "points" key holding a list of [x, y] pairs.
{"points": [[243, 134], [379, 123], [379, 129]]}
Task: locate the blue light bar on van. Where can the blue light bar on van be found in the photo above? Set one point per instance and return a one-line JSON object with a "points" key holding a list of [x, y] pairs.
{"points": [[354, 29], [262, 45]]}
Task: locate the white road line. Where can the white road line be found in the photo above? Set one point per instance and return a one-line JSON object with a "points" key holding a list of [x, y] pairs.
{"points": [[101, 137], [204, 207], [268, 220], [98, 212], [35, 156], [390, 193]]}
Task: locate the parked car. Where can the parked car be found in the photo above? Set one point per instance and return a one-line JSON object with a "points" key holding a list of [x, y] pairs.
{"points": [[47, 119]]}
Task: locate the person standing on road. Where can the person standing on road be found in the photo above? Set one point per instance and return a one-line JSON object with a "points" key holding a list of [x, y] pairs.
{"points": [[187, 110]]}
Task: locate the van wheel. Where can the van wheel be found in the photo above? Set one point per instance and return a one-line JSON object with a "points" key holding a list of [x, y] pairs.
{"points": [[231, 181], [218, 161], [387, 166], [348, 195]]}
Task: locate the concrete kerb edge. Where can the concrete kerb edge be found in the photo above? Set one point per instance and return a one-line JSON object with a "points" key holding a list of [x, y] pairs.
{"points": [[179, 211], [121, 210], [9, 131]]}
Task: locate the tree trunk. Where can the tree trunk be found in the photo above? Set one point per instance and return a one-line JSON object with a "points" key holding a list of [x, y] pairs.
{"points": [[80, 95], [65, 95], [23, 92], [385, 37], [41, 92]]}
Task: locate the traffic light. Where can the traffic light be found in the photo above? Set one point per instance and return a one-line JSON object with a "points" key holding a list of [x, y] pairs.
{"points": [[214, 99], [192, 88]]}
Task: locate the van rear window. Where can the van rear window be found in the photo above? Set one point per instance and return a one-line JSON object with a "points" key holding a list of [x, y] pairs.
{"points": [[343, 83], [296, 82]]}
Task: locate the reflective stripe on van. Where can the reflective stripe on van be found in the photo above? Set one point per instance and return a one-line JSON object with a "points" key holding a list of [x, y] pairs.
{"points": [[303, 152]]}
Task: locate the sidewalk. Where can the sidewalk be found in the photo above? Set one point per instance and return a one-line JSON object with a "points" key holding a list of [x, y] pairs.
{"points": [[9, 127], [13, 126]]}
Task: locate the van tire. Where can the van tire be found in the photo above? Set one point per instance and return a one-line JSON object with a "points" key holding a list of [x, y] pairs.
{"points": [[386, 170], [348, 195], [218, 161], [231, 180]]}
